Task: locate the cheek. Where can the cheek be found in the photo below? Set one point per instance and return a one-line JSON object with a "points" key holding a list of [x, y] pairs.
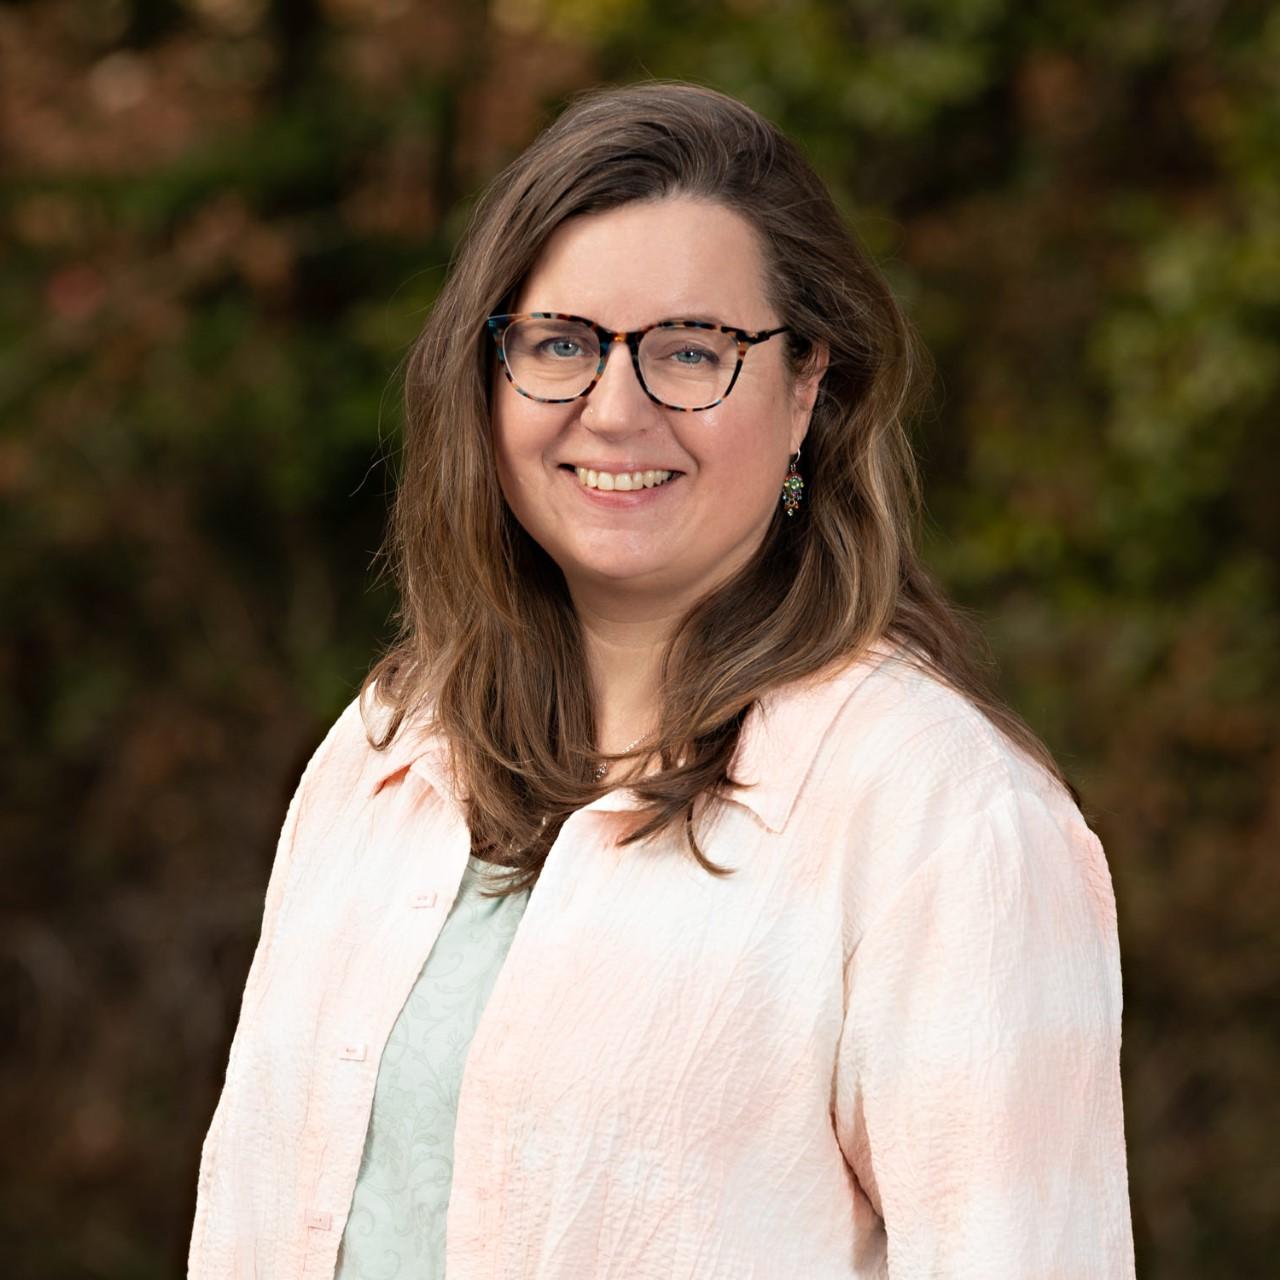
{"points": [[744, 451], [520, 433], [510, 452]]}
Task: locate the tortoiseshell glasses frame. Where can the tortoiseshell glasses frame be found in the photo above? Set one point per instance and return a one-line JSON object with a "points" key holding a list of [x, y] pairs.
{"points": [[744, 338]]}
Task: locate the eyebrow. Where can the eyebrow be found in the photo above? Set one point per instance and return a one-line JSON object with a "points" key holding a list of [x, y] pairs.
{"points": [[700, 316], [703, 317]]}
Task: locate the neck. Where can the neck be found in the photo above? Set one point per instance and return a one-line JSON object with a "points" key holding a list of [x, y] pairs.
{"points": [[623, 655]]}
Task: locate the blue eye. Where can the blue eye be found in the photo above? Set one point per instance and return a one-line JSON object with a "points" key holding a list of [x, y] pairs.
{"points": [[563, 348], [692, 357]]}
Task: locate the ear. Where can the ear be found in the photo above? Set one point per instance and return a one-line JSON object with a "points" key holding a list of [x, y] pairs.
{"points": [[805, 392]]}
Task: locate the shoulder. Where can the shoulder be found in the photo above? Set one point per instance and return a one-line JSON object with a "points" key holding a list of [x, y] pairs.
{"points": [[911, 776], [877, 734], [899, 728], [348, 764], [346, 747], [908, 765]]}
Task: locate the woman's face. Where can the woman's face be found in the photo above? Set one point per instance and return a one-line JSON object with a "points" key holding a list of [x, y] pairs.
{"points": [[672, 259]]}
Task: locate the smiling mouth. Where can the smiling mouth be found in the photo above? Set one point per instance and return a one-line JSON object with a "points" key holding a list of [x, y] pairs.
{"points": [[621, 481]]}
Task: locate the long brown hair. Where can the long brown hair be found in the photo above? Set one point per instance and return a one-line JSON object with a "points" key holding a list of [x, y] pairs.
{"points": [[489, 644]]}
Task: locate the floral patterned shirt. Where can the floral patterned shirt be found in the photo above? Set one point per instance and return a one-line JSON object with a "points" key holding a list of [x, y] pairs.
{"points": [[396, 1224]]}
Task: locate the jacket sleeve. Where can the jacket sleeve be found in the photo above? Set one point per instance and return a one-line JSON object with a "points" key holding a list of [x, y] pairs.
{"points": [[978, 1084], [205, 1257]]}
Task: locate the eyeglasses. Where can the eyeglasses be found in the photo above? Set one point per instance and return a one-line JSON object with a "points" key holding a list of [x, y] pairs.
{"points": [[681, 364]]}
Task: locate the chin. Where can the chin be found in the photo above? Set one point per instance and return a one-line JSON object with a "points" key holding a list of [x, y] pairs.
{"points": [[640, 576], [614, 559], [622, 572]]}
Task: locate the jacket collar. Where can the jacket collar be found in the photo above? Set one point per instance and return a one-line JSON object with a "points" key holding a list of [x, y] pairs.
{"points": [[779, 742], [782, 735], [416, 746]]}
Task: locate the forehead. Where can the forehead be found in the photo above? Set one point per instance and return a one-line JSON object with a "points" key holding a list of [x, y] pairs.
{"points": [[654, 260]]}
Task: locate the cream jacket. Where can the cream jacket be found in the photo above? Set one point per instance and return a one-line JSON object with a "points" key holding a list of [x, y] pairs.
{"points": [[887, 1046]]}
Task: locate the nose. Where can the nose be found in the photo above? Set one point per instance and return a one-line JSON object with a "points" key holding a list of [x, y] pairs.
{"points": [[618, 400]]}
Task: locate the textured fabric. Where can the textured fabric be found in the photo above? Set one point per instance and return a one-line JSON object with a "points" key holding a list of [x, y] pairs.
{"points": [[886, 1046], [396, 1224]]}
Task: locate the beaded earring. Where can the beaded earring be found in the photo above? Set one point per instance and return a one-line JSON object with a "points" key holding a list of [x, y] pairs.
{"points": [[792, 487]]}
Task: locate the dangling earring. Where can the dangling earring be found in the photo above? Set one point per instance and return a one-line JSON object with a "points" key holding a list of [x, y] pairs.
{"points": [[792, 487]]}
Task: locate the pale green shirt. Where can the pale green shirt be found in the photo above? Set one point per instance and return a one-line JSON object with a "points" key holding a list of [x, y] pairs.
{"points": [[396, 1228]]}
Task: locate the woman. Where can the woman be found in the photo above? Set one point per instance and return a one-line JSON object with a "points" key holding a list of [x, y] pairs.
{"points": [[674, 901]]}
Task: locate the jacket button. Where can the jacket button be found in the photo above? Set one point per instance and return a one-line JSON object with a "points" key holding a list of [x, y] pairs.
{"points": [[352, 1052], [425, 899], [319, 1221]]}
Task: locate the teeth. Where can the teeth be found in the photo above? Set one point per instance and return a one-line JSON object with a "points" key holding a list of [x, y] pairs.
{"points": [[623, 481]]}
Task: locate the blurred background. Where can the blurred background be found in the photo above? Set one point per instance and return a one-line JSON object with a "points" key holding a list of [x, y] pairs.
{"points": [[221, 225]]}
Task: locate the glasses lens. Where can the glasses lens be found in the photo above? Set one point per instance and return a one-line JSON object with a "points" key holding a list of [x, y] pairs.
{"points": [[551, 359], [686, 366]]}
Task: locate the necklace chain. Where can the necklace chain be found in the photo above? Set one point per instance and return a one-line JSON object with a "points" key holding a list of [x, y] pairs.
{"points": [[602, 768]]}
